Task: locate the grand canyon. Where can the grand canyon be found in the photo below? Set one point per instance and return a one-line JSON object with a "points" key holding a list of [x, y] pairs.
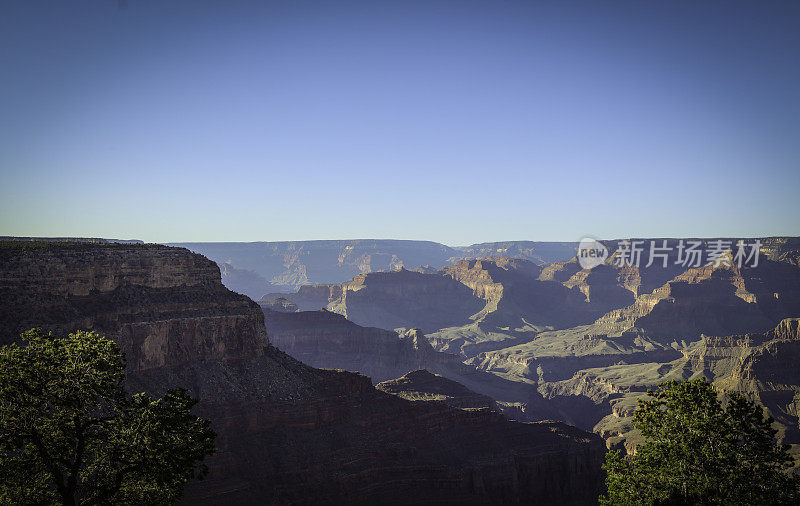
{"points": [[304, 252], [476, 378]]}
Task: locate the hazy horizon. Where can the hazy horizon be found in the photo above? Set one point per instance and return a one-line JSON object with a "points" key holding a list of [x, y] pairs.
{"points": [[455, 122]]}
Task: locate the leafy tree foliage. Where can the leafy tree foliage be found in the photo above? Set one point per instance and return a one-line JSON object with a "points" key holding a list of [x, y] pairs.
{"points": [[69, 434], [701, 451]]}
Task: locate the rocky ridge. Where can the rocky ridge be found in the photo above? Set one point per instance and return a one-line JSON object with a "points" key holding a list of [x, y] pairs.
{"points": [[422, 385]]}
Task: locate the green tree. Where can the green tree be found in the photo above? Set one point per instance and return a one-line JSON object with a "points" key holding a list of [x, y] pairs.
{"points": [[701, 451], [69, 434]]}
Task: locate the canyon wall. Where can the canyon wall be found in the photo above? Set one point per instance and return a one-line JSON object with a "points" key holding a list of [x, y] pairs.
{"points": [[163, 306]]}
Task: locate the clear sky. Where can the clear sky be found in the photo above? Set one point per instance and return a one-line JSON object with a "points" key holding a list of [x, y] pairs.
{"points": [[456, 121]]}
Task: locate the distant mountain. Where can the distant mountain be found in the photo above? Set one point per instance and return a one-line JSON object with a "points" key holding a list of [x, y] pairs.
{"points": [[286, 266]]}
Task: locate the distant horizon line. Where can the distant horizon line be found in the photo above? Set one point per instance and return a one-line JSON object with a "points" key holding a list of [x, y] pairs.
{"points": [[576, 241]]}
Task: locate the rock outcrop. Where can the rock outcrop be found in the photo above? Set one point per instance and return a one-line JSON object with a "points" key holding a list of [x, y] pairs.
{"points": [[288, 433], [279, 304], [422, 385], [516, 298], [712, 301]]}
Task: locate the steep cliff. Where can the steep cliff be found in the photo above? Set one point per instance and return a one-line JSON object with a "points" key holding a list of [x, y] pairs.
{"points": [[516, 297], [164, 306], [612, 286], [288, 433]]}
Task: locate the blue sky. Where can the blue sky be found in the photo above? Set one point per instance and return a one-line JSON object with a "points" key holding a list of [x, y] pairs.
{"points": [[456, 121]]}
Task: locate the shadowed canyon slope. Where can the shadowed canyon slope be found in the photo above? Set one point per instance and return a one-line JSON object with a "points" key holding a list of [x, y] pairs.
{"points": [[326, 339], [288, 433], [261, 267]]}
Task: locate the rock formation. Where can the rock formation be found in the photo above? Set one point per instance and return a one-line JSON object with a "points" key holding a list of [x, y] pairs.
{"points": [[471, 306], [164, 306], [760, 365], [279, 304], [422, 385]]}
